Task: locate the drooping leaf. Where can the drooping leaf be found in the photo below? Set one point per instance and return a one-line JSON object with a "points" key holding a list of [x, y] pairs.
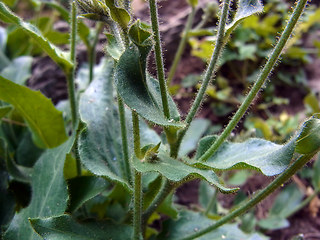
{"points": [[131, 82], [83, 189], [47, 132], [100, 143], [246, 8], [195, 132], [65, 228], [192, 222], [119, 15], [267, 157], [308, 140], [176, 171], [19, 70], [55, 53], [49, 193]]}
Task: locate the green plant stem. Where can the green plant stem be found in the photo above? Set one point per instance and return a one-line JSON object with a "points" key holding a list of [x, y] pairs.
{"points": [[165, 190], [92, 51], [207, 77], [182, 46], [281, 179], [213, 200], [259, 83], [137, 220], [136, 135], [158, 56], [70, 74], [124, 138]]}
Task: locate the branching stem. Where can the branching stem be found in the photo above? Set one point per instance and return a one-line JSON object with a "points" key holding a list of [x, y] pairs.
{"points": [[266, 71], [281, 179], [158, 56]]}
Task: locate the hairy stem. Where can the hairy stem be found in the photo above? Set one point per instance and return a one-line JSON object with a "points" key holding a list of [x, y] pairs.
{"points": [[158, 56], [71, 73], [182, 46], [136, 135], [124, 138], [281, 179], [266, 71], [92, 50], [137, 220], [165, 190], [208, 74]]}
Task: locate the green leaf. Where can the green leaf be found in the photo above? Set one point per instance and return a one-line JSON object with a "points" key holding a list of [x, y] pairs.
{"points": [[274, 223], [132, 86], [119, 15], [206, 193], [114, 49], [44, 120], [167, 207], [140, 34], [191, 222], [60, 57], [246, 8], [4, 110], [65, 228], [100, 143], [308, 140], [19, 70], [267, 157], [49, 193], [83, 189], [196, 130], [177, 171]]}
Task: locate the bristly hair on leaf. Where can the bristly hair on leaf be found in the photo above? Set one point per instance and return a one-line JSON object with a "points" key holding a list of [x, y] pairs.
{"points": [[93, 9]]}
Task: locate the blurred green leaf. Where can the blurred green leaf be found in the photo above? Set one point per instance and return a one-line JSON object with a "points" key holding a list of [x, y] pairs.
{"points": [[19, 70], [316, 174], [4, 110], [7, 201], [191, 222], [193, 3], [312, 102], [35, 109], [55, 53], [65, 228], [113, 48], [196, 130]]}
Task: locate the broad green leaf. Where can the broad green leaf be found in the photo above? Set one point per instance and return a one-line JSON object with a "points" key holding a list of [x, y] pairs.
{"points": [[49, 193], [308, 140], [19, 70], [267, 157], [44, 120], [132, 86], [191, 222], [206, 193], [100, 143], [60, 57], [195, 132], [84, 188], [65, 228], [177, 171], [140, 34], [4, 110], [119, 15]]}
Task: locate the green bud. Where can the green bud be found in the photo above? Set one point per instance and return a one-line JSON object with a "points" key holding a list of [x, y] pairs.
{"points": [[93, 9]]}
